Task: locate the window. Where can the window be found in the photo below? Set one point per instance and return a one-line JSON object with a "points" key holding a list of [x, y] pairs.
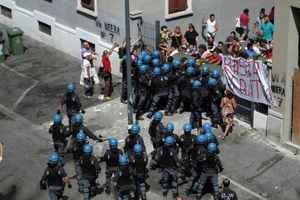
{"points": [[87, 7], [5, 11], [89, 4], [45, 28], [177, 8]]}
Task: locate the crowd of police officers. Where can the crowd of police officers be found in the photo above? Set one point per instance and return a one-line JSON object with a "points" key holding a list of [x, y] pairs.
{"points": [[187, 159]]}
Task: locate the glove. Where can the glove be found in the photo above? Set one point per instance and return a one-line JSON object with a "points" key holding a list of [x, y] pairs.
{"points": [[43, 185], [69, 186]]}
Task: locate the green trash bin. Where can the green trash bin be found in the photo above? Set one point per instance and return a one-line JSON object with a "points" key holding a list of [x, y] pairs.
{"points": [[16, 41]]}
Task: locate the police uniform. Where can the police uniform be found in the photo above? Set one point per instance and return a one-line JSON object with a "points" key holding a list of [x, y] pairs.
{"points": [[53, 179], [125, 183], [111, 157], [196, 108], [138, 164], [186, 146], [73, 105], [142, 94], [155, 131], [89, 168], [59, 134], [130, 141]]}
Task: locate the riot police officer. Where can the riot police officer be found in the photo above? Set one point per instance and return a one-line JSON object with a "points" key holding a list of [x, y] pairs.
{"points": [[198, 156], [159, 86], [54, 178], [125, 180], [142, 89], [227, 193], [138, 163], [185, 88], [72, 102], [111, 158], [89, 170], [166, 159], [196, 105], [59, 134], [186, 146], [156, 129], [210, 170], [133, 138]]}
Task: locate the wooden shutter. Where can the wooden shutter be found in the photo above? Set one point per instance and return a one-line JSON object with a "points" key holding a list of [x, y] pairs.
{"points": [[177, 6], [89, 4], [296, 109]]}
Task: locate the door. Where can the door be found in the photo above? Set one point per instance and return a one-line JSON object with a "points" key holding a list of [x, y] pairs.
{"points": [[296, 109]]}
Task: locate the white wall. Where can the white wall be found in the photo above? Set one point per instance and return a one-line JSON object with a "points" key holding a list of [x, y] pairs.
{"points": [[63, 38]]}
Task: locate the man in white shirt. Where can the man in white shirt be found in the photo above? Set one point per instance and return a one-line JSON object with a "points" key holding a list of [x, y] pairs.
{"points": [[211, 26]]}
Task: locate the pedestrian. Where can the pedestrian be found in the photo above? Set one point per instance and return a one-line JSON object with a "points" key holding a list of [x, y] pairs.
{"points": [[244, 24], [191, 35], [90, 75], [267, 30], [259, 21], [228, 106], [107, 76], [211, 27], [54, 178], [227, 193], [272, 15], [176, 38]]}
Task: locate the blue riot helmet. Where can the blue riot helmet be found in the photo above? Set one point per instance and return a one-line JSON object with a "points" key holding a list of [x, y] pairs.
{"points": [[135, 129], [143, 69], [142, 55], [156, 54], [78, 119], [212, 148], [53, 158], [71, 88], [123, 160], [147, 59], [205, 70], [176, 63], [187, 128], [87, 149], [81, 136], [196, 84], [211, 137], [156, 62], [206, 127], [190, 71], [170, 127], [215, 73], [113, 143], [166, 68], [158, 116], [139, 62], [201, 139], [156, 71], [191, 62], [57, 119], [212, 82], [169, 141], [138, 149]]}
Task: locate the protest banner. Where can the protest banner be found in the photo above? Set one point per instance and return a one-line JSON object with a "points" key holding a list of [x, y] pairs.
{"points": [[248, 79]]}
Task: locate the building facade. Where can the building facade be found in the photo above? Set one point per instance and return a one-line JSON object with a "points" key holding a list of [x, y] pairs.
{"points": [[283, 120], [65, 24]]}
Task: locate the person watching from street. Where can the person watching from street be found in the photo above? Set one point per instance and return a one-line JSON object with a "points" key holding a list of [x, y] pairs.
{"points": [[227, 193], [107, 76]]}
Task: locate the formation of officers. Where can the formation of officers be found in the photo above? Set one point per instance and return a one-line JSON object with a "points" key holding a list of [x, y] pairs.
{"points": [[179, 84], [190, 160]]}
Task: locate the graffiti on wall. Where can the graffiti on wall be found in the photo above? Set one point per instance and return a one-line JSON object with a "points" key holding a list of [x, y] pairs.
{"points": [[278, 89]]}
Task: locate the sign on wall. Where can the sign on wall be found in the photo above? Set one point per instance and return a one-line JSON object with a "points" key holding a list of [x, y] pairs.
{"points": [[248, 79], [108, 30]]}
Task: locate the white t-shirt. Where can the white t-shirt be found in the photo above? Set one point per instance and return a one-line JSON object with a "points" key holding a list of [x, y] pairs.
{"points": [[211, 26]]}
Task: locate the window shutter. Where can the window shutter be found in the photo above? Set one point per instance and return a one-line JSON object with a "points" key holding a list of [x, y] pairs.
{"points": [[177, 6], [89, 4]]}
